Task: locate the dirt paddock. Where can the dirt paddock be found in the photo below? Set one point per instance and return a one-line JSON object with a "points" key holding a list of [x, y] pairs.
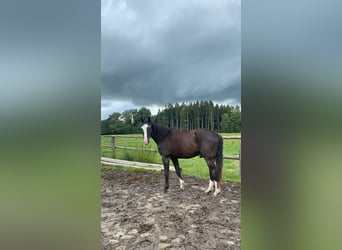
{"points": [[136, 214]]}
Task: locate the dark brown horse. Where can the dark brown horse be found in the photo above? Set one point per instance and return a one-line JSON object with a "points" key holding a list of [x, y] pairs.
{"points": [[174, 144]]}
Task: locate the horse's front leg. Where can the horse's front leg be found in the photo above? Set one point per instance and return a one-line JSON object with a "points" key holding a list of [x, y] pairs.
{"points": [[166, 161], [178, 171]]}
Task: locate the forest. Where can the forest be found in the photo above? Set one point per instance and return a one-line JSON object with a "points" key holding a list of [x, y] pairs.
{"points": [[185, 116]]}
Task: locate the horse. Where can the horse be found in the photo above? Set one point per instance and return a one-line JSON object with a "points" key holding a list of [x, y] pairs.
{"points": [[174, 144]]}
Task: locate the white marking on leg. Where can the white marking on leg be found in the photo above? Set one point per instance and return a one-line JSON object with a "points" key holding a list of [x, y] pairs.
{"points": [[211, 183], [181, 182], [217, 191]]}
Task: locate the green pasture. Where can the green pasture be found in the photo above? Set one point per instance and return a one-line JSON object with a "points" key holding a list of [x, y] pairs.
{"points": [[193, 167]]}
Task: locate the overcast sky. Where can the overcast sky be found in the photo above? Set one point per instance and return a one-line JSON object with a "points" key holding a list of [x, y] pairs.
{"points": [[155, 52]]}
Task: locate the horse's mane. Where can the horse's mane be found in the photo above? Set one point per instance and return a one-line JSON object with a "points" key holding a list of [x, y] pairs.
{"points": [[159, 132]]}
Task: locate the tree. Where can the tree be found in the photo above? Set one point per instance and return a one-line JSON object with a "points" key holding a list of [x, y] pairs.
{"points": [[142, 113], [184, 117], [217, 117], [200, 114], [236, 120], [129, 116], [105, 130], [225, 121], [223, 118], [115, 123], [211, 116]]}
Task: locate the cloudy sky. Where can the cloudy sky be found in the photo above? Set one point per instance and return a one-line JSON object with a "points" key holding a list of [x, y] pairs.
{"points": [[155, 52]]}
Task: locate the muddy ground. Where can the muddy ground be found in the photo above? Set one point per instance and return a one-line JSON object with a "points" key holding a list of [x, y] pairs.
{"points": [[136, 214]]}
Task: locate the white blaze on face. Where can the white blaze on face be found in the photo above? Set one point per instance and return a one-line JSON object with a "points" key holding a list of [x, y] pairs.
{"points": [[144, 128]]}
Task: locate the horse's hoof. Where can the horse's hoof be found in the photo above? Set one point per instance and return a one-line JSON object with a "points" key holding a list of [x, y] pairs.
{"points": [[216, 193]]}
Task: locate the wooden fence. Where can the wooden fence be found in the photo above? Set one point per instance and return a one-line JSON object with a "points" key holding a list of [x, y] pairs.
{"points": [[113, 146]]}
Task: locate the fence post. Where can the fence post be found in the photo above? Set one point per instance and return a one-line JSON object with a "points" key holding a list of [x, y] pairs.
{"points": [[113, 146], [240, 159]]}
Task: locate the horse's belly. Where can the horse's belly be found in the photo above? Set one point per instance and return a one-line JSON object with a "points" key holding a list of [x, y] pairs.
{"points": [[185, 153], [186, 156]]}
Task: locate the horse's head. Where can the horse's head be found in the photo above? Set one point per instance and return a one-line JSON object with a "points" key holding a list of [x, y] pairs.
{"points": [[147, 130]]}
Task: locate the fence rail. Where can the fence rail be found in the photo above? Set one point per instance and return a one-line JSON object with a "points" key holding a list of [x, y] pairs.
{"points": [[116, 162], [131, 148], [113, 146], [229, 137]]}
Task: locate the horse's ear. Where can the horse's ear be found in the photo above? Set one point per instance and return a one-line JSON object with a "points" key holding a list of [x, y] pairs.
{"points": [[142, 120], [149, 119]]}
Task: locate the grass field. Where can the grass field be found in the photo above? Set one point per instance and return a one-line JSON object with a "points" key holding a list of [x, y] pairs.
{"points": [[193, 167]]}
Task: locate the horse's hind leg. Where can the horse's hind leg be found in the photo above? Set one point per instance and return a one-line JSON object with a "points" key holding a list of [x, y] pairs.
{"points": [[212, 174], [211, 183], [218, 180], [217, 188], [178, 171]]}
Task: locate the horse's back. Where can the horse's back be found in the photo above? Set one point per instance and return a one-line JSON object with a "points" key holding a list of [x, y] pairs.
{"points": [[207, 135]]}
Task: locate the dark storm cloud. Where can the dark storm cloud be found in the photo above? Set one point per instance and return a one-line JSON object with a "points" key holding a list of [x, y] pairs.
{"points": [[155, 52]]}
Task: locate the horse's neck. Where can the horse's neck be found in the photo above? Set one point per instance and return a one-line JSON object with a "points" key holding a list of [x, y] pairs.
{"points": [[159, 133]]}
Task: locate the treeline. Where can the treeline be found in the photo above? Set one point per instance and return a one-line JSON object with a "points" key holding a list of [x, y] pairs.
{"points": [[185, 116]]}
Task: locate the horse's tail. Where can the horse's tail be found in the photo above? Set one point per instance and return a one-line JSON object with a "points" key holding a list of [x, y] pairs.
{"points": [[219, 159]]}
